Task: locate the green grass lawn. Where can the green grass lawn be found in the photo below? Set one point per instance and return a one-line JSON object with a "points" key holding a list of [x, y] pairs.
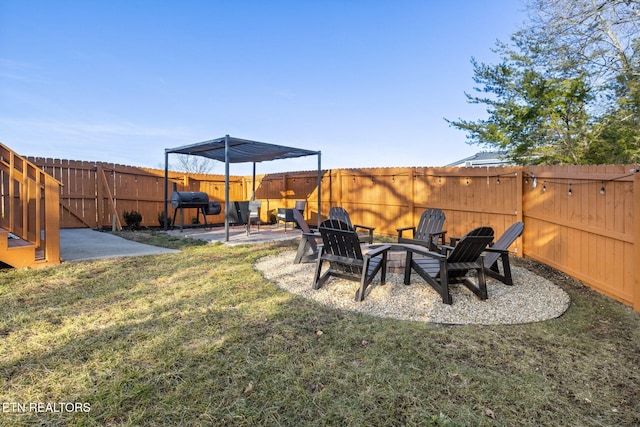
{"points": [[200, 338]]}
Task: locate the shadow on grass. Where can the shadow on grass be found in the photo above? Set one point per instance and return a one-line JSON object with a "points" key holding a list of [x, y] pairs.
{"points": [[201, 338]]}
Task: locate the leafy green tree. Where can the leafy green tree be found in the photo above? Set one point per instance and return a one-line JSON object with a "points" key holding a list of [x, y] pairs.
{"points": [[537, 114], [567, 88]]}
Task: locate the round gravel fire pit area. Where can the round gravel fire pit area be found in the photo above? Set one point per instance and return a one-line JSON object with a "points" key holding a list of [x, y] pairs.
{"points": [[531, 299]]}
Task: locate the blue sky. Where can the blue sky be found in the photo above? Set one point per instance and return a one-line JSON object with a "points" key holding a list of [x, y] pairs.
{"points": [[368, 83]]}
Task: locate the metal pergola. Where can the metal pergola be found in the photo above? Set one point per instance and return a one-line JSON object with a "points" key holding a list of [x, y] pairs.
{"points": [[235, 150]]}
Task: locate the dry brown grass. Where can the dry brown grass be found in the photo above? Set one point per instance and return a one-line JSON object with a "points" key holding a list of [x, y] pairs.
{"points": [[200, 337]]}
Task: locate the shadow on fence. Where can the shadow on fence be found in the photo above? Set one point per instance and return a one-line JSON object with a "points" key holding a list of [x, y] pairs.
{"points": [[578, 219]]}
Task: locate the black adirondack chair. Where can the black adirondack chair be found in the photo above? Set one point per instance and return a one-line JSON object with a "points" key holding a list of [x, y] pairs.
{"points": [[429, 231], [364, 233], [308, 247], [500, 250], [341, 249], [452, 265]]}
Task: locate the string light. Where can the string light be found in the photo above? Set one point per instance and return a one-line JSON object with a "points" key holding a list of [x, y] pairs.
{"points": [[529, 178], [586, 181]]}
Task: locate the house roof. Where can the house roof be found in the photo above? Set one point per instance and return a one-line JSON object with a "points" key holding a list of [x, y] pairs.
{"points": [[241, 150], [483, 158]]}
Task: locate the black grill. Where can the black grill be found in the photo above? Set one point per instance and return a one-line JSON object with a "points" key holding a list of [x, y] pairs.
{"points": [[213, 208], [190, 200]]}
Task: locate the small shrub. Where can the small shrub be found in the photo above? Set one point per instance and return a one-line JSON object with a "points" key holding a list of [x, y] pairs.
{"points": [[133, 219], [161, 219]]}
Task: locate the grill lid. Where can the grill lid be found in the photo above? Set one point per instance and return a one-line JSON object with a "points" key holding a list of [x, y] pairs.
{"points": [[189, 199]]}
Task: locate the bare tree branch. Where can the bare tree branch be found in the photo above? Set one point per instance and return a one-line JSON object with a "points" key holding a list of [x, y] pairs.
{"points": [[194, 164]]}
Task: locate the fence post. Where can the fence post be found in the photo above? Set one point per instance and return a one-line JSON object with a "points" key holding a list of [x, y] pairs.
{"points": [[413, 174], [519, 205], [100, 205], [284, 197], [338, 192], [636, 240]]}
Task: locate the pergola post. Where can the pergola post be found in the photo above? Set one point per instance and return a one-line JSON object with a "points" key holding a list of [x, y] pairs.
{"points": [[166, 189], [319, 188], [253, 183], [227, 204]]}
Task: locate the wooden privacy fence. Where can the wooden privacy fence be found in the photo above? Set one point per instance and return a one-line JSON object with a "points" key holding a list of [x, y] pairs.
{"points": [[578, 219], [583, 220], [97, 194]]}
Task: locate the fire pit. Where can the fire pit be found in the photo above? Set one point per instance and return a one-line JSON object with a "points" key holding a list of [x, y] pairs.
{"points": [[396, 258]]}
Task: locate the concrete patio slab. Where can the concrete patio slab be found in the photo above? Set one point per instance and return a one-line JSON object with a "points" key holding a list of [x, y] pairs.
{"points": [[80, 244], [238, 234]]}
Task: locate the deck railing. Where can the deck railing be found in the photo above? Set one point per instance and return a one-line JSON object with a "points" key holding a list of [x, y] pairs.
{"points": [[30, 206]]}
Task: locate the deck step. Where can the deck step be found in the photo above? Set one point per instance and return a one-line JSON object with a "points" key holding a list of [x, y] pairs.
{"points": [[16, 252]]}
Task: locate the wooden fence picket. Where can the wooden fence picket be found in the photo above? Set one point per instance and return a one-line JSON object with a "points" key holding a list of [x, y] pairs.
{"points": [[578, 219]]}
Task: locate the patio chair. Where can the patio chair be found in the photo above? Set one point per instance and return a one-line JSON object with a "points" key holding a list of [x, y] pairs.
{"points": [[428, 232], [342, 251], [253, 214], [308, 247], [341, 214], [286, 214], [452, 265], [500, 250]]}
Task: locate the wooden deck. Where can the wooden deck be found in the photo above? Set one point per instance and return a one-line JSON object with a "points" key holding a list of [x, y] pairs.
{"points": [[30, 203]]}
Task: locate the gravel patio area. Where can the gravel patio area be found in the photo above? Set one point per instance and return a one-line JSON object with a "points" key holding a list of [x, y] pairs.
{"points": [[531, 299]]}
